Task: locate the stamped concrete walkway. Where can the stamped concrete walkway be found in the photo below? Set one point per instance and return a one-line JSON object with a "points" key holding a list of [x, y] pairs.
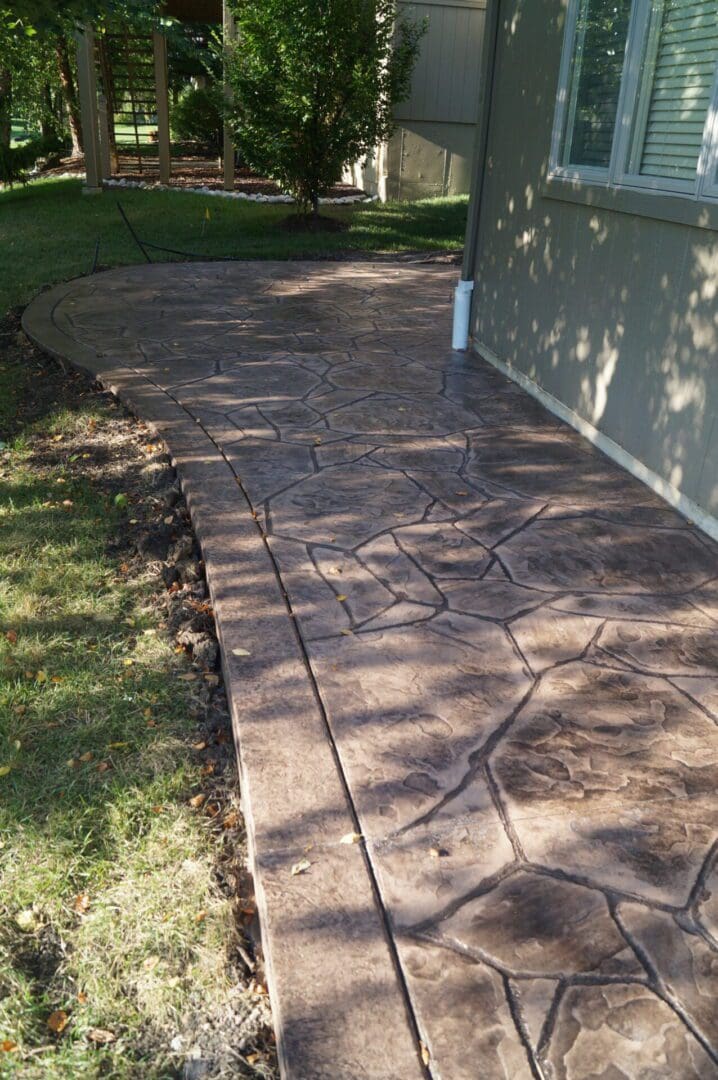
{"points": [[451, 626]]}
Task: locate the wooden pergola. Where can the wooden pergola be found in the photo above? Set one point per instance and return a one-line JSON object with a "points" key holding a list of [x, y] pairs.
{"points": [[94, 105]]}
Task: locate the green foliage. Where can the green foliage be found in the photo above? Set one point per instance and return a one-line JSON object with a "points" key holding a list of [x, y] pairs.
{"points": [[53, 16], [197, 118], [314, 85], [17, 161]]}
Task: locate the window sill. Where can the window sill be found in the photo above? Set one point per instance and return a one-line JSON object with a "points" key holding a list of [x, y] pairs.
{"points": [[648, 204]]}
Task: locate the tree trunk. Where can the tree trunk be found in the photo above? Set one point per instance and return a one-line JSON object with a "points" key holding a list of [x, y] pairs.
{"points": [[108, 84], [5, 108], [47, 123], [70, 93]]}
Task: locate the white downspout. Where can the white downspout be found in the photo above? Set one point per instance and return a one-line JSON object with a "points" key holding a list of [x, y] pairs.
{"points": [[464, 289], [462, 315]]}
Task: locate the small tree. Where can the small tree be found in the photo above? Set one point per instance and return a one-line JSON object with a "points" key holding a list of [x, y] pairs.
{"points": [[314, 83]]}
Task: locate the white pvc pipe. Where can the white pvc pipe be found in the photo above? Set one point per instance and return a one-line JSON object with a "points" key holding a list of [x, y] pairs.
{"points": [[462, 315]]}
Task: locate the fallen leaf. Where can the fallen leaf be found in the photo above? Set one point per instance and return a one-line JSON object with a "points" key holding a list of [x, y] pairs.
{"points": [[120, 499], [58, 1021], [168, 520], [207, 769], [200, 916], [101, 1036], [301, 867], [351, 838], [82, 997], [231, 820], [150, 963], [461, 493], [189, 677], [128, 661], [199, 746], [82, 903], [5, 769], [157, 809], [116, 745], [241, 652], [19, 710], [213, 809], [425, 1055], [87, 756], [341, 598], [7, 1045], [11, 636], [348, 633], [104, 766], [67, 503], [57, 679], [41, 677], [198, 800], [26, 920], [252, 1059]]}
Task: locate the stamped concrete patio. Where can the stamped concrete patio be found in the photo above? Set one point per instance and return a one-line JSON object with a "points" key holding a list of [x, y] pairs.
{"points": [[448, 625]]}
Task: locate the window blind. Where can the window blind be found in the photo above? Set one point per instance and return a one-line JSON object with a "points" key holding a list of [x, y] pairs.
{"points": [[683, 80]]}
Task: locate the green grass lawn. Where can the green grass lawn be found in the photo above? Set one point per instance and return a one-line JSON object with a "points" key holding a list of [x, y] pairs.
{"points": [[111, 918], [48, 230], [20, 133]]}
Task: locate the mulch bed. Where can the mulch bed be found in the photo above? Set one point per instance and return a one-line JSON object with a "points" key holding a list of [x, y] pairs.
{"points": [[188, 172]]}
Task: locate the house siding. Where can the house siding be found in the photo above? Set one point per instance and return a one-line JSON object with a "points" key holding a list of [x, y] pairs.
{"points": [[614, 314], [430, 152]]}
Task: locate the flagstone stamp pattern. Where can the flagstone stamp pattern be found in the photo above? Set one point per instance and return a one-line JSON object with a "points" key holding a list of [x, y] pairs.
{"points": [[514, 643]]}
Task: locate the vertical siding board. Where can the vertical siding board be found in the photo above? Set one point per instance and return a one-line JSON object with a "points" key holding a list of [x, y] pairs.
{"points": [[445, 82]]}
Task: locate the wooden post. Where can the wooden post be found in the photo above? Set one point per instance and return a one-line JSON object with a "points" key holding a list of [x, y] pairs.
{"points": [[228, 34], [87, 84], [159, 44], [104, 129]]}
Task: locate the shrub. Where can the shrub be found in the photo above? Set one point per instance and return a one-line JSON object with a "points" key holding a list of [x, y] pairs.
{"points": [[17, 161], [197, 118], [314, 84]]}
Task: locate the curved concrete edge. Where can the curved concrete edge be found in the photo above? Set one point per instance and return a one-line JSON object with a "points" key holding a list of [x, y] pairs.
{"points": [[340, 1010]]}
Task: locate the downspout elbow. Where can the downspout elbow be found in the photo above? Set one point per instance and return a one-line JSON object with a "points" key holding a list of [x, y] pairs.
{"points": [[462, 315]]}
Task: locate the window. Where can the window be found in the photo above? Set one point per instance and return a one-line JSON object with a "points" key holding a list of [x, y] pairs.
{"points": [[638, 96]]}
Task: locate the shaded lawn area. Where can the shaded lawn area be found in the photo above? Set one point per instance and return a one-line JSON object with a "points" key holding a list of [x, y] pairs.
{"points": [[49, 229], [115, 935]]}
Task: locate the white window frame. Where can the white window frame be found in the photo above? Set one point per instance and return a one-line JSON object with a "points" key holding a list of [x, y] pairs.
{"points": [[633, 102]]}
